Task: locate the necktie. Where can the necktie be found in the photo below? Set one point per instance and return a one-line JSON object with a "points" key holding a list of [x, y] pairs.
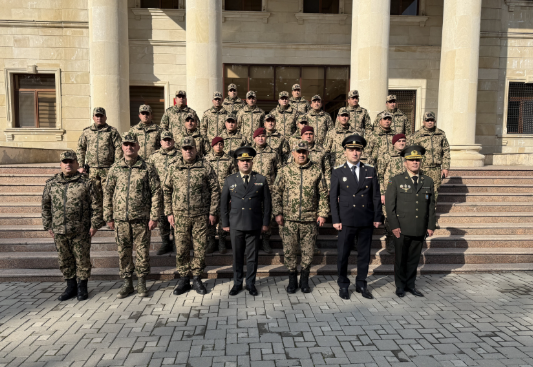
{"points": [[415, 180], [246, 181], [355, 174]]}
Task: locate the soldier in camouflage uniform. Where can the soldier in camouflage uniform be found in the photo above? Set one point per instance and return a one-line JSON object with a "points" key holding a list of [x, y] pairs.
{"points": [[298, 102], [335, 137], [191, 130], [161, 161], [275, 140], [380, 141], [192, 198], [72, 213], [359, 118], [232, 103], [319, 119], [173, 119], [132, 205], [400, 122], [99, 146], [233, 138], [250, 117], [298, 214], [214, 118], [224, 166], [148, 134], [285, 115], [297, 136], [436, 162]]}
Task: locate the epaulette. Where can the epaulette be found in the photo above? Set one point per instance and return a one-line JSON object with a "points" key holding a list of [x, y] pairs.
{"points": [[342, 165], [369, 165]]}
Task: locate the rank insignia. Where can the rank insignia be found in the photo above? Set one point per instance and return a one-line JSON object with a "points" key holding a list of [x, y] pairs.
{"points": [[344, 179]]}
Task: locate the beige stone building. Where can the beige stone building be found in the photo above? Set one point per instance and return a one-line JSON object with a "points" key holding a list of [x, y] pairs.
{"points": [[470, 61]]}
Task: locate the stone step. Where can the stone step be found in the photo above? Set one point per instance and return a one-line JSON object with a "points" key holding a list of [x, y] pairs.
{"points": [[499, 180], [485, 196], [39, 169], [21, 197], [21, 187], [492, 171], [483, 217], [488, 188], [17, 178], [20, 207], [482, 207]]}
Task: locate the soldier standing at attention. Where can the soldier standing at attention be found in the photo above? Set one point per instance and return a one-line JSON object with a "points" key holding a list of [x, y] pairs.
{"points": [[250, 117], [410, 205], [275, 140], [380, 140], [232, 103], [191, 130], [285, 115], [319, 119], [214, 118], [300, 202], [72, 213], [298, 102], [148, 134], [173, 119], [233, 138], [99, 146], [224, 166], [400, 122], [356, 210], [359, 117], [132, 204], [161, 161], [335, 137], [192, 198], [295, 138], [436, 162], [249, 216]]}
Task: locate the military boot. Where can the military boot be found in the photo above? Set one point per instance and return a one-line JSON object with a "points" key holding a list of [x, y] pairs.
{"points": [[211, 245], [304, 281], [141, 287], [70, 292], [266, 244], [317, 251], [166, 246], [222, 244], [126, 289], [389, 244], [198, 286], [184, 285], [293, 282], [83, 294]]}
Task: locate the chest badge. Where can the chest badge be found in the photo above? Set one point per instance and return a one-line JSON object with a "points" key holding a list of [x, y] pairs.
{"points": [[344, 179], [405, 187]]}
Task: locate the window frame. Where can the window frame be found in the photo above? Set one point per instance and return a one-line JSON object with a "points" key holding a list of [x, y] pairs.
{"points": [[418, 9], [164, 85], [320, 7], [519, 134], [181, 5], [36, 92], [263, 6]]}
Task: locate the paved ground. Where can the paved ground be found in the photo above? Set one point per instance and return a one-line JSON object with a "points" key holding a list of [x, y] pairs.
{"points": [[465, 320]]}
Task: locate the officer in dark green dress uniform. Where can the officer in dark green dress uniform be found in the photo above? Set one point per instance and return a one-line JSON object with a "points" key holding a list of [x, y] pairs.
{"points": [[410, 205]]}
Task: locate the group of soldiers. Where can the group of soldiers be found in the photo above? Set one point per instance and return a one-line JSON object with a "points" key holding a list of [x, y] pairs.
{"points": [[141, 180]]}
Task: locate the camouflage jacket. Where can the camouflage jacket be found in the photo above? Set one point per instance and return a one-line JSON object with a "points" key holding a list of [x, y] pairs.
{"points": [[279, 143], [437, 147], [379, 143], [321, 157], [285, 120], [191, 190], [300, 193], [224, 165], [162, 159], [233, 105], [213, 123], [232, 141], [322, 123], [293, 140], [388, 166], [149, 137], [202, 146], [267, 162], [99, 148], [400, 122], [132, 192], [333, 144], [300, 104], [70, 205], [248, 120], [360, 120], [173, 119]]}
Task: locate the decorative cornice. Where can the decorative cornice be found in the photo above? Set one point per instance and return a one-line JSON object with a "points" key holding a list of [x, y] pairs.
{"points": [[321, 18], [249, 16], [409, 20], [178, 14], [511, 4], [11, 132], [294, 46], [507, 35], [151, 42], [43, 24]]}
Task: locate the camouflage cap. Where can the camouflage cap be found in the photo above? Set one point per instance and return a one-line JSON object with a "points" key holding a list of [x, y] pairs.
{"points": [[232, 86], [301, 145], [145, 108], [316, 97], [430, 115], [231, 116], [165, 134], [296, 86], [283, 94], [302, 120], [270, 117], [391, 97], [250, 93], [181, 93], [344, 111], [217, 95], [188, 141], [129, 138], [99, 111], [68, 154], [190, 115], [386, 115], [353, 93]]}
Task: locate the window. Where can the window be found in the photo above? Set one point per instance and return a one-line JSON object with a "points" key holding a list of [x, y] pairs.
{"points": [[406, 100], [520, 108], [243, 5], [404, 7], [321, 6], [160, 4], [35, 100], [153, 96]]}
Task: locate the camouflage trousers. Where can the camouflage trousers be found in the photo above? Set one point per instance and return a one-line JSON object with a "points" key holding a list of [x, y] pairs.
{"points": [[190, 231], [99, 177], [436, 175], [129, 235], [74, 255], [294, 234]]}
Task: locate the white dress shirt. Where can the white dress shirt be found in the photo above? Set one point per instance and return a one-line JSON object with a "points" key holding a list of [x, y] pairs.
{"points": [[357, 168]]}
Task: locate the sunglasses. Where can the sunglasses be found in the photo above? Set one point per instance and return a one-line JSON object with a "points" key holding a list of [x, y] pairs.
{"points": [[144, 113], [128, 144]]}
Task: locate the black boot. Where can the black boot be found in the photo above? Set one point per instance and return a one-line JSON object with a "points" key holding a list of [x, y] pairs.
{"points": [[293, 282], [211, 245], [304, 281], [198, 286], [265, 244], [222, 244], [83, 294], [184, 285], [166, 246], [70, 292]]}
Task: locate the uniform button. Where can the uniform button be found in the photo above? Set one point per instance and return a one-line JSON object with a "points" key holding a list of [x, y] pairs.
{"points": [[417, 216], [243, 209], [354, 196], [417, 209], [367, 187], [354, 206], [362, 195], [251, 199], [363, 206], [417, 202]]}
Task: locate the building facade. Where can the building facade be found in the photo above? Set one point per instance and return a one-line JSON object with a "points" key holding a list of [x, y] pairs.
{"points": [[469, 61]]}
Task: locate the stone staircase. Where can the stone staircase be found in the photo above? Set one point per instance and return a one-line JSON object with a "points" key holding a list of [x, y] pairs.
{"points": [[485, 216]]}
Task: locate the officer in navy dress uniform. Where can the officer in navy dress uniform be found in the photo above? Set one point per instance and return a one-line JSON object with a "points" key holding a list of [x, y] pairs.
{"points": [[246, 218], [410, 205], [355, 201]]}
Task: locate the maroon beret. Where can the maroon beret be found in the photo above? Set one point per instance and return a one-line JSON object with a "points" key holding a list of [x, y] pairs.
{"points": [[259, 131], [307, 128], [216, 140], [397, 137]]}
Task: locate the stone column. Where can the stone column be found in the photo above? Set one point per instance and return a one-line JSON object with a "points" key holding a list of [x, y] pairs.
{"points": [[204, 52], [369, 66], [458, 80], [109, 60]]}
